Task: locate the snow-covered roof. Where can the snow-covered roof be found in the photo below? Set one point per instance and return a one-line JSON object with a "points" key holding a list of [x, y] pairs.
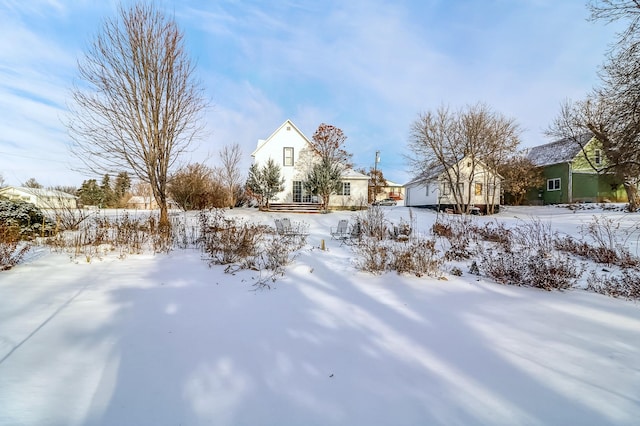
{"points": [[560, 151], [427, 176], [391, 184], [352, 174], [38, 192]]}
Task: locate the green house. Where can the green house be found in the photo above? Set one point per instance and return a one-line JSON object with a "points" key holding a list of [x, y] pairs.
{"points": [[573, 173]]}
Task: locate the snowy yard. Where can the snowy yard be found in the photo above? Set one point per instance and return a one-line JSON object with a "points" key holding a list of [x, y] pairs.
{"points": [[166, 340]]}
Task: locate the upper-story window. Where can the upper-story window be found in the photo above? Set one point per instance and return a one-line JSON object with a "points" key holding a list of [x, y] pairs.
{"points": [[287, 155], [597, 157]]}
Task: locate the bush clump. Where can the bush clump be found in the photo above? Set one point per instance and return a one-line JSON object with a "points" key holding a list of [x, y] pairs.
{"points": [[626, 285], [26, 219], [12, 250]]}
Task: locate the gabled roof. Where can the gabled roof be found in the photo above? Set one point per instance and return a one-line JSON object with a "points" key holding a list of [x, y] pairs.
{"points": [[388, 183], [38, 192], [560, 151], [428, 176], [433, 173], [352, 174], [287, 122]]}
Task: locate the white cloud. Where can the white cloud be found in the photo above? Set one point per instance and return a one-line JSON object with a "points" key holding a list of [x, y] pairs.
{"points": [[368, 67]]}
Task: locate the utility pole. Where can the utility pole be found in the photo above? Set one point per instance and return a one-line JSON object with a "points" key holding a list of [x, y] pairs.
{"points": [[375, 176]]}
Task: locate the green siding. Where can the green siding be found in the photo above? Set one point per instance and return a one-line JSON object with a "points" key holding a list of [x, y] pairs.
{"points": [[582, 164], [586, 184], [553, 172], [591, 187]]}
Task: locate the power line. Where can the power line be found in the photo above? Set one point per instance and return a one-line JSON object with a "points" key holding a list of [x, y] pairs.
{"points": [[49, 160]]}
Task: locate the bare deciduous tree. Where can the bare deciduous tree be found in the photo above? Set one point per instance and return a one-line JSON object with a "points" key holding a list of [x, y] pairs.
{"points": [[328, 141], [229, 172], [323, 177], [193, 187], [32, 183], [611, 112], [520, 176], [376, 183], [138, 105], [440, 139]]}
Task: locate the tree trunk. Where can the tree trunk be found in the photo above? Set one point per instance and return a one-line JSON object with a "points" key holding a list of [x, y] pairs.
{"points": [[632, 194], [164, 216]]}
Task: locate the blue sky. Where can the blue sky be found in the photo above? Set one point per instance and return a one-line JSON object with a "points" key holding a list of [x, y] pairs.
{"points": [[366, 66]]}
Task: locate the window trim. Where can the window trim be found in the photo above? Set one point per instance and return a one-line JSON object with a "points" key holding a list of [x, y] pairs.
{"points": [[554, 184], [597, 157], [285, 158], [342, 189]]}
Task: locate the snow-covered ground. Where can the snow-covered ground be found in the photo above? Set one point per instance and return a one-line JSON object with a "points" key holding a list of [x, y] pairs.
{"points": [[166, 340]]}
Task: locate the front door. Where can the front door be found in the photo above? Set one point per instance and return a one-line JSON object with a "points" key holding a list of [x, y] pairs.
{"points": [[297, 191]]}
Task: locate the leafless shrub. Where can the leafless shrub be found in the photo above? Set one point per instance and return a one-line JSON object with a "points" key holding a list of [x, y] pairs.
{"points": [[417, 257], [12, 250], [503, 267], [185, 233], [372, 256], [374, 223], [599, 254], [243, 245], [627, 285], [534, 234], [522, 268], [606, 245], [456, 231], [227, 241], [496, 233], [402, 231], [278, 251], [527, 256], [554, 272], [456, 271], [124, 235]]}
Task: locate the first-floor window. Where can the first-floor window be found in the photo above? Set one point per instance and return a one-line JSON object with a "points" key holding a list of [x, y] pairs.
{"points": [[478, 189], [346, 189], [553, 184]]}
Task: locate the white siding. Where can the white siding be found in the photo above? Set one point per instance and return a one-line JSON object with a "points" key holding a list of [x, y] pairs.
{"points": [[416, 194], [288, 136]]}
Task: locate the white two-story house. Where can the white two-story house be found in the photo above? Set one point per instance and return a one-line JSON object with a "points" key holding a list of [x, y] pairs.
{"points": [[293, 152]]}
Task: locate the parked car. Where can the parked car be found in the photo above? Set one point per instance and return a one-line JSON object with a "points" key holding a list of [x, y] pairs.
{"points": [[385, 202]]}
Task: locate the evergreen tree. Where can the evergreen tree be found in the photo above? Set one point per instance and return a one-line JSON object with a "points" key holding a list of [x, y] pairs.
{"points": [[108, 196], [265, 182], [90, 193], [121, 187], [324, 180]]}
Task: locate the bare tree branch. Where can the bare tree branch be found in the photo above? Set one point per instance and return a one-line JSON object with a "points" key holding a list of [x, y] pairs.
{"points": [[139, 104]]}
